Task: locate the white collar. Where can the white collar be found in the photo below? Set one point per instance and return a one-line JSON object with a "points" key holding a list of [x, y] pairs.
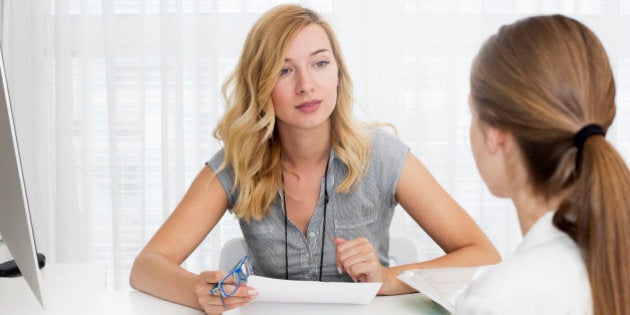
{"points": [[542, 231]]}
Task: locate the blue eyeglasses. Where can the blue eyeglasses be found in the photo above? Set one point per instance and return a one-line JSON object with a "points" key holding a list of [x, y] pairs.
{"points": [[238, 274]]}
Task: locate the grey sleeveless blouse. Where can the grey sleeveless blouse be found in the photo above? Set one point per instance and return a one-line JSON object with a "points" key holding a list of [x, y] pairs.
{"points": [[365, 212]]}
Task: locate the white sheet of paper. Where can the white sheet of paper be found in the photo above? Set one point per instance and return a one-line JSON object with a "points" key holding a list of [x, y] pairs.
{"points": [[292, 291], [441, 285]]}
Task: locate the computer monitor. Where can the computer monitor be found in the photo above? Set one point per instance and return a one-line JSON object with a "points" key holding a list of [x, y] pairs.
{"points": [[15, 218]]}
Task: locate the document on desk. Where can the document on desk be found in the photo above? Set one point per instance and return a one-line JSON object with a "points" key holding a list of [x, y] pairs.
{"points": [[442, 285], [293, 291]]}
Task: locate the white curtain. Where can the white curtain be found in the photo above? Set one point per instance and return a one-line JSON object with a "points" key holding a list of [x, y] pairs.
{"points": [[116, 101]]}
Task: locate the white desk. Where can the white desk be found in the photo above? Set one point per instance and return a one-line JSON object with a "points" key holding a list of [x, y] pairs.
{"points": [[409, 304], [80, 289]]}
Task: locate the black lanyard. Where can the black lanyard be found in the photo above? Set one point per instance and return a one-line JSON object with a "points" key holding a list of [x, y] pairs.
{"points": [[286, 244]]}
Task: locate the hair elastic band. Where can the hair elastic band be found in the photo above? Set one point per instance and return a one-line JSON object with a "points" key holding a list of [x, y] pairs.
{"points": [[589, 130], [580, 138]]}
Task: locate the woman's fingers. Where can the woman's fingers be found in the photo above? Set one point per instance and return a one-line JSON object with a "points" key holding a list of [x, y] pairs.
{"points": [[212, 303], [338, 242], [342, 247], [216, 303], [358, 258], [212, 277]]}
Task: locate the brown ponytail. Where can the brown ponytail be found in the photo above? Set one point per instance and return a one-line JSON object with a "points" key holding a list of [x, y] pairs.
{"points": [[544, 78], [597, 216]]}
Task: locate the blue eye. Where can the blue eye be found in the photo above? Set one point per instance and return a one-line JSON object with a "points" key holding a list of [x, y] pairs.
{"points": [[284, 71], [321, 64]]}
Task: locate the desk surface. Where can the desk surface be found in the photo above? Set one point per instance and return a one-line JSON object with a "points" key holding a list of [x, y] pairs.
{"points": [[80, 289]]}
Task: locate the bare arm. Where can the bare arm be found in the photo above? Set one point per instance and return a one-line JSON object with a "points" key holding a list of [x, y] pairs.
{"points": [[157, 269], [439, 215], [444, 221]]}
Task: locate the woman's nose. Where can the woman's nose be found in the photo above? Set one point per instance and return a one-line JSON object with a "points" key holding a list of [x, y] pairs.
{"points": [[304, 83]]}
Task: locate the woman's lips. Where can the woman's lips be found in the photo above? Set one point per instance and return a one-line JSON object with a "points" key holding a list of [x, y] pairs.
{"points": [[310, 106]]}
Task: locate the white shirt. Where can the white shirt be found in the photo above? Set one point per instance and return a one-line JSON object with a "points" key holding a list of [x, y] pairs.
{"points": [[546, 275]]}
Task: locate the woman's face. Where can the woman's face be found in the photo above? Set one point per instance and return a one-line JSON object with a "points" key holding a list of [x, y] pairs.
{"points": [[484, 148], [306, 91]]}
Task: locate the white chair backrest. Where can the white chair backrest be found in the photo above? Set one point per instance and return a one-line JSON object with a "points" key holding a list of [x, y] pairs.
{"points": [[231, 253], [402, 250]]}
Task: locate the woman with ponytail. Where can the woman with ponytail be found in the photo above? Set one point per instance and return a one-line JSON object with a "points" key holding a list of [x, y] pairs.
{"points": [[542, 99]]}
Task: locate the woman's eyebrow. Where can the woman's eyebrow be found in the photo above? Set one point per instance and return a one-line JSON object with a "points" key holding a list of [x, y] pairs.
{"points": [[319, 51]]}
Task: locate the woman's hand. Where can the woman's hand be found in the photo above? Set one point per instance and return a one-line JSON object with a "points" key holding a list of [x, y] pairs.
{"points": [[358, 258], [211, 304]]}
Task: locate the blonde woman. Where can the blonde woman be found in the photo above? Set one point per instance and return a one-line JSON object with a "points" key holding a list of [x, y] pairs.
{"points": [[542, 98], [314, 191]]}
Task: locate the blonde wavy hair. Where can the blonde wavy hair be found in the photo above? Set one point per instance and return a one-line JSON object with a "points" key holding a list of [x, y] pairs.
{"points": [[248, 128]]}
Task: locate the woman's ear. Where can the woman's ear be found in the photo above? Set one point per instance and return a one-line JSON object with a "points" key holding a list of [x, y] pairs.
{"points": [[495, 139]]}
